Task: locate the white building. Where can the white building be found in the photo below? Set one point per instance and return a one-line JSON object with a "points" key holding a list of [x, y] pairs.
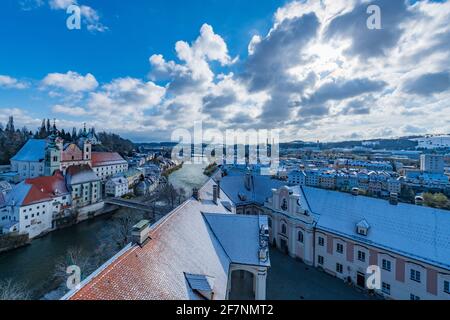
{"points": [[117, 187], [297, 177], [32, 205], [434, 142], [432, 163], [108, 164], [29, 161], [344, 234], [85, 189], [394, 186]]}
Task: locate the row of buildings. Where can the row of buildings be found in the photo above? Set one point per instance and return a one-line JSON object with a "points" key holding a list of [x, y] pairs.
{"points": [[345, 175], [380, 183]]}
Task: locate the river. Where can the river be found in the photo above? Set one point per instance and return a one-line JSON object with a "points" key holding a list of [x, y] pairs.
{"points": [[33, 266]]}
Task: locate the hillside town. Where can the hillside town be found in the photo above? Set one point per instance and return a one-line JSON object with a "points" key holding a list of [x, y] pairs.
{"points": [[414, 177], [230, 158]]}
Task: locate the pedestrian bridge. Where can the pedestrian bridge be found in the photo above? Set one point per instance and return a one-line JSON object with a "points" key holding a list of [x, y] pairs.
{"points": [[129, 204]]}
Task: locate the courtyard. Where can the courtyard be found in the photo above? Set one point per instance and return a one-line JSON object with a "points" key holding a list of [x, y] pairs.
{"points": [[289, 279]]}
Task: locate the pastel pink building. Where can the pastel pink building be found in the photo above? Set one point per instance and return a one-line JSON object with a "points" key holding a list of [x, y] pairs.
{"points": [[343, 235]]}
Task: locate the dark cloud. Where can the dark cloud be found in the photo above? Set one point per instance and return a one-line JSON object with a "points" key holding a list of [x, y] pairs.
{"points": [[343, 89], [278, 51], [313, 111], [214, 103], [368, 43], [428, 84], [358, 106]]}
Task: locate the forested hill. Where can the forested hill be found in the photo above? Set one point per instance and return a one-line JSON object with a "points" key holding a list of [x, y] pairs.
{"points": [[114, 143], [12, 139]]}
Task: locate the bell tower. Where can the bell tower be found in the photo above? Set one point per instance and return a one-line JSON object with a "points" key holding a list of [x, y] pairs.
{"points": [[52, 153]]}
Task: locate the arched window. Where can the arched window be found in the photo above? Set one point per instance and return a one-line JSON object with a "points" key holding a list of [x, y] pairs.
{"points": [[300, 237], [283, 229], [284, 205]]}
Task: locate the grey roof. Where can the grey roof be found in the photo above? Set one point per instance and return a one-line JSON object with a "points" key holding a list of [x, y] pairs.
{"points": [[32, 151], [17, 194], [233, 185], [418, 232], [239, 237], [80, 174], [200, 282]]}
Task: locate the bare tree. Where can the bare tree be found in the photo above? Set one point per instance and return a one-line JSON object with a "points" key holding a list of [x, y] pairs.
{"points": [[169, 194], [181, 195], [9, 290], [123, 230], [74, 257]]}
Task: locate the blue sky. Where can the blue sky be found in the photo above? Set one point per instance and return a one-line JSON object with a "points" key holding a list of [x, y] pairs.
{"points": [[145, 68]]}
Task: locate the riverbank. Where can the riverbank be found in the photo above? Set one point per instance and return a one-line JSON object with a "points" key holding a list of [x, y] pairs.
{"points": [[168, 172]]}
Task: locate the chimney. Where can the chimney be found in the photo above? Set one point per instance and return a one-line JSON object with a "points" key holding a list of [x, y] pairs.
{"points": [[196, 194], [215, 193], [247, 181], [218, 188], [140, 232]]}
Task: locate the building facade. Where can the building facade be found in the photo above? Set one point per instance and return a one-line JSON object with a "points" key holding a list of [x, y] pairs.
{"points": [[108, 164], [344, 234]]}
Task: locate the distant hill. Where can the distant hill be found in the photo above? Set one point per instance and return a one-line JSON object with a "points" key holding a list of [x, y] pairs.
{"points": [[114, 143]]}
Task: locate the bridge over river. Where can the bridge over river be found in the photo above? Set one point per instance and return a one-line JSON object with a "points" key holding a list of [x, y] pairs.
{"points": [[130, 204]]}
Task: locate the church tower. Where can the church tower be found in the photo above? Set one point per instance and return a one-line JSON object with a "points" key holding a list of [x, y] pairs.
{"points": [[52, 154], [85, 145]]}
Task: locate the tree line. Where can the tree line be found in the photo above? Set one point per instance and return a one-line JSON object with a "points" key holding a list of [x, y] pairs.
{"points": [[13, 139]]}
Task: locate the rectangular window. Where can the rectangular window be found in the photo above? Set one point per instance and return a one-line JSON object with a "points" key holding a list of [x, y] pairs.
{"points": [[413, 297], [321, 241], [386, 265], [320, 260], [447, 287], [339, 268], [340, 248], [415, 275], [386, 288], [361, 256]]}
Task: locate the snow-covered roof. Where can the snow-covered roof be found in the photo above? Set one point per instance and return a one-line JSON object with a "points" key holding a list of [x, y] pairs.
{"points": [[233, 186], [192, 240], [239, 236], [32, 151], [80, 174], [418, 232], [18, 194]]}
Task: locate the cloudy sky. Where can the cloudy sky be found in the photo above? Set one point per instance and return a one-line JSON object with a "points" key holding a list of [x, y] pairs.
{"points": [[309, 68]]}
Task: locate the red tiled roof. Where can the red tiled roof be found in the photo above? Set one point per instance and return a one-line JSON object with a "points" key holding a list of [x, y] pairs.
{"points": [[45, 188], [106, 158]]}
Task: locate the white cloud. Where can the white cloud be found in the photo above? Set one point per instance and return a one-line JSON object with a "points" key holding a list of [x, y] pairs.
{"points": [[317, 73], [71, 111], [9, 82], [89, 15], [71, 81]]}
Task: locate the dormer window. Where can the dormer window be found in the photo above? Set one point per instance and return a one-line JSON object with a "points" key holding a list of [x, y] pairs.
{"points": [[362, 228], [201, 284]]}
